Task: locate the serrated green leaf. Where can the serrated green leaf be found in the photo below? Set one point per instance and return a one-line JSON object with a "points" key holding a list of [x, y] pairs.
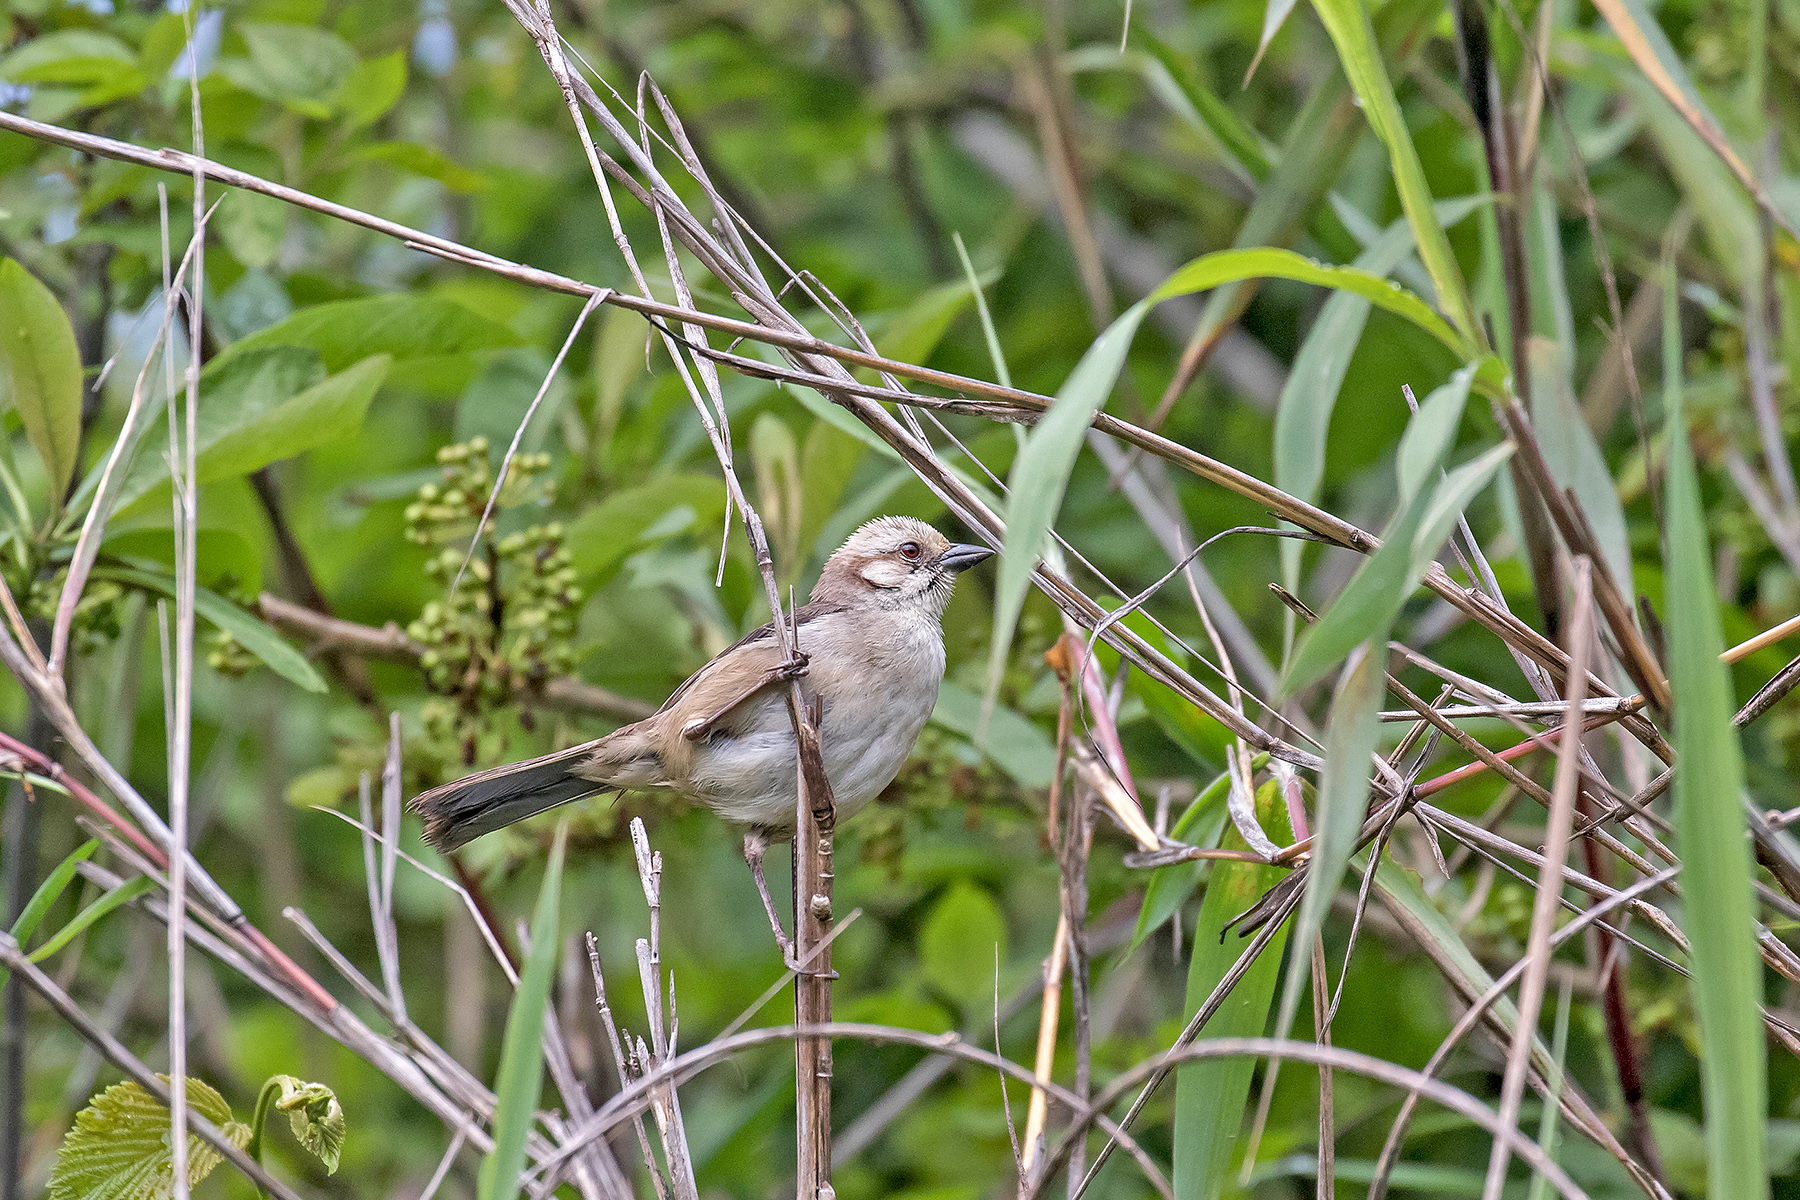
{"points": [[1210, 1096], [119, 1147], [250, 633], [314, 1114], [37, 346], [1717, 873], [521, 1074]]}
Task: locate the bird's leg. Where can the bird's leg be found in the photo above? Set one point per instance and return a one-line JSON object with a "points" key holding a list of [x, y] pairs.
{"points": [[755, 844], [697, 730]]}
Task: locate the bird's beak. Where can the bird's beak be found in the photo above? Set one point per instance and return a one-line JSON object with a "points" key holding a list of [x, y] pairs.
{"points": [[960, 557]]}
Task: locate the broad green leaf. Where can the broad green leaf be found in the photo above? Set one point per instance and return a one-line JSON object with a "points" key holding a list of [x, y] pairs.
{"points": [[124, 893], [47, 893], [1170, 886], [1210, 1096], [373, 87], [119, 1148], [828, 459], [37, 346], [252, 227], [600, 538], [246, 630], [1717, 874], [957, 944], [262, 427], [406, 326], [1267, 262], [1431, 433], [297, 63], [313, 1113], [521, 1075], [427, 161], [1040, 474], [68, 56], [1016, 745], [1347, 21]]}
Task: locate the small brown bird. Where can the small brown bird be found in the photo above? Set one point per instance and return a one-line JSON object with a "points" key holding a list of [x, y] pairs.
{"points": [[871, 643]]}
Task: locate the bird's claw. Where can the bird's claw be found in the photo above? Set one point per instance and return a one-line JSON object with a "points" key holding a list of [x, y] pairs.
{"points": [[794, 667]]}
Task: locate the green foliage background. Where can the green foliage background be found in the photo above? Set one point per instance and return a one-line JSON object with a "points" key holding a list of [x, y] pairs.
{"points": [[857, 137]]}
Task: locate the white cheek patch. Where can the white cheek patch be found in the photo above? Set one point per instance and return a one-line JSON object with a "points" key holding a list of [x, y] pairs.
{"points": [[885, 573]]}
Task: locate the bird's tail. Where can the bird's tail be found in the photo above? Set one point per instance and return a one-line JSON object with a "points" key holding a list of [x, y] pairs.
{"points": [[458, 813]]}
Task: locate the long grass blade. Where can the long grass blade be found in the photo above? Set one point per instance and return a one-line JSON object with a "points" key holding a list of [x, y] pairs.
{"points": [[521, 1076], [1717, 873]]}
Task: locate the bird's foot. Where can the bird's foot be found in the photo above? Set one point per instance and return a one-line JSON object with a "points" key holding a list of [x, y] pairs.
{"points": [[794, 667]]}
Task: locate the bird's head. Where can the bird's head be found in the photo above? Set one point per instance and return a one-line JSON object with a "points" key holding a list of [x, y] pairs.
{"points": [[897, 563]]}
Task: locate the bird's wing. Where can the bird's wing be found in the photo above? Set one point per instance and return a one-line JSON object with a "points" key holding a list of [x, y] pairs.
{"points": [[758, 648]]}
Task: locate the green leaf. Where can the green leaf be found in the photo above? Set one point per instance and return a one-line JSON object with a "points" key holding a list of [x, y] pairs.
{"points": [[246, 630], [124, 893], [600, 538], [252, 227], [1040, 474], [297, 62], [1431, 433], [521, 1075], [1717, 874], [55, 883], [37, 345], [1275, 15], [1210, 1096], [119, 1148], [1192, 100], [1170, 886], [1455, 493], [68, 56], [957, 944], [248, 427], [400, 324], [313, 1113], [1351, 733], [1574, 457], [373, 87], [427, 161], [1267, 262], [1016, 745], [911, 334], [1347, 21]]}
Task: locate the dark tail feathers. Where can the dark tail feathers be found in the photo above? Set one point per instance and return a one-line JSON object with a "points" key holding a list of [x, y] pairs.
{"points": [[458, 813]]}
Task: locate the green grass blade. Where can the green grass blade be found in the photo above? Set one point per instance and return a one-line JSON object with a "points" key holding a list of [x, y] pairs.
{"points": [[521, 1076], [1170, 886], [126, 892], [32, 915], [1210, 1096], [1717, 874], [1348, 23]]}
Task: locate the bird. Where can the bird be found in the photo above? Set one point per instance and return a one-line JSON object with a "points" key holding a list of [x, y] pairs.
{"points": [[870, 658]]}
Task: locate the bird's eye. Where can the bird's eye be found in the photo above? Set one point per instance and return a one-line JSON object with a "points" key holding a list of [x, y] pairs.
{"points": [[910, 552]]}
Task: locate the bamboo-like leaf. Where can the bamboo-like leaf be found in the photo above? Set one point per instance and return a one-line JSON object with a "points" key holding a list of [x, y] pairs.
{"points": [[1210, 1096], [1275, 15], [1573, 456], [124, 893], [253, 635], [1269, 262], [47, 893], [521, 1075], [1347, 21], [1170, 886], [119, 1148], [1455, 493], [1431, 433], [1717, 874], [38, 353]]}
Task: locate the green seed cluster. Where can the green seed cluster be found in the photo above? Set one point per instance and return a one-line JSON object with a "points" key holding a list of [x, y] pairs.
{"points": [[96, 614], [506, 618]]}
